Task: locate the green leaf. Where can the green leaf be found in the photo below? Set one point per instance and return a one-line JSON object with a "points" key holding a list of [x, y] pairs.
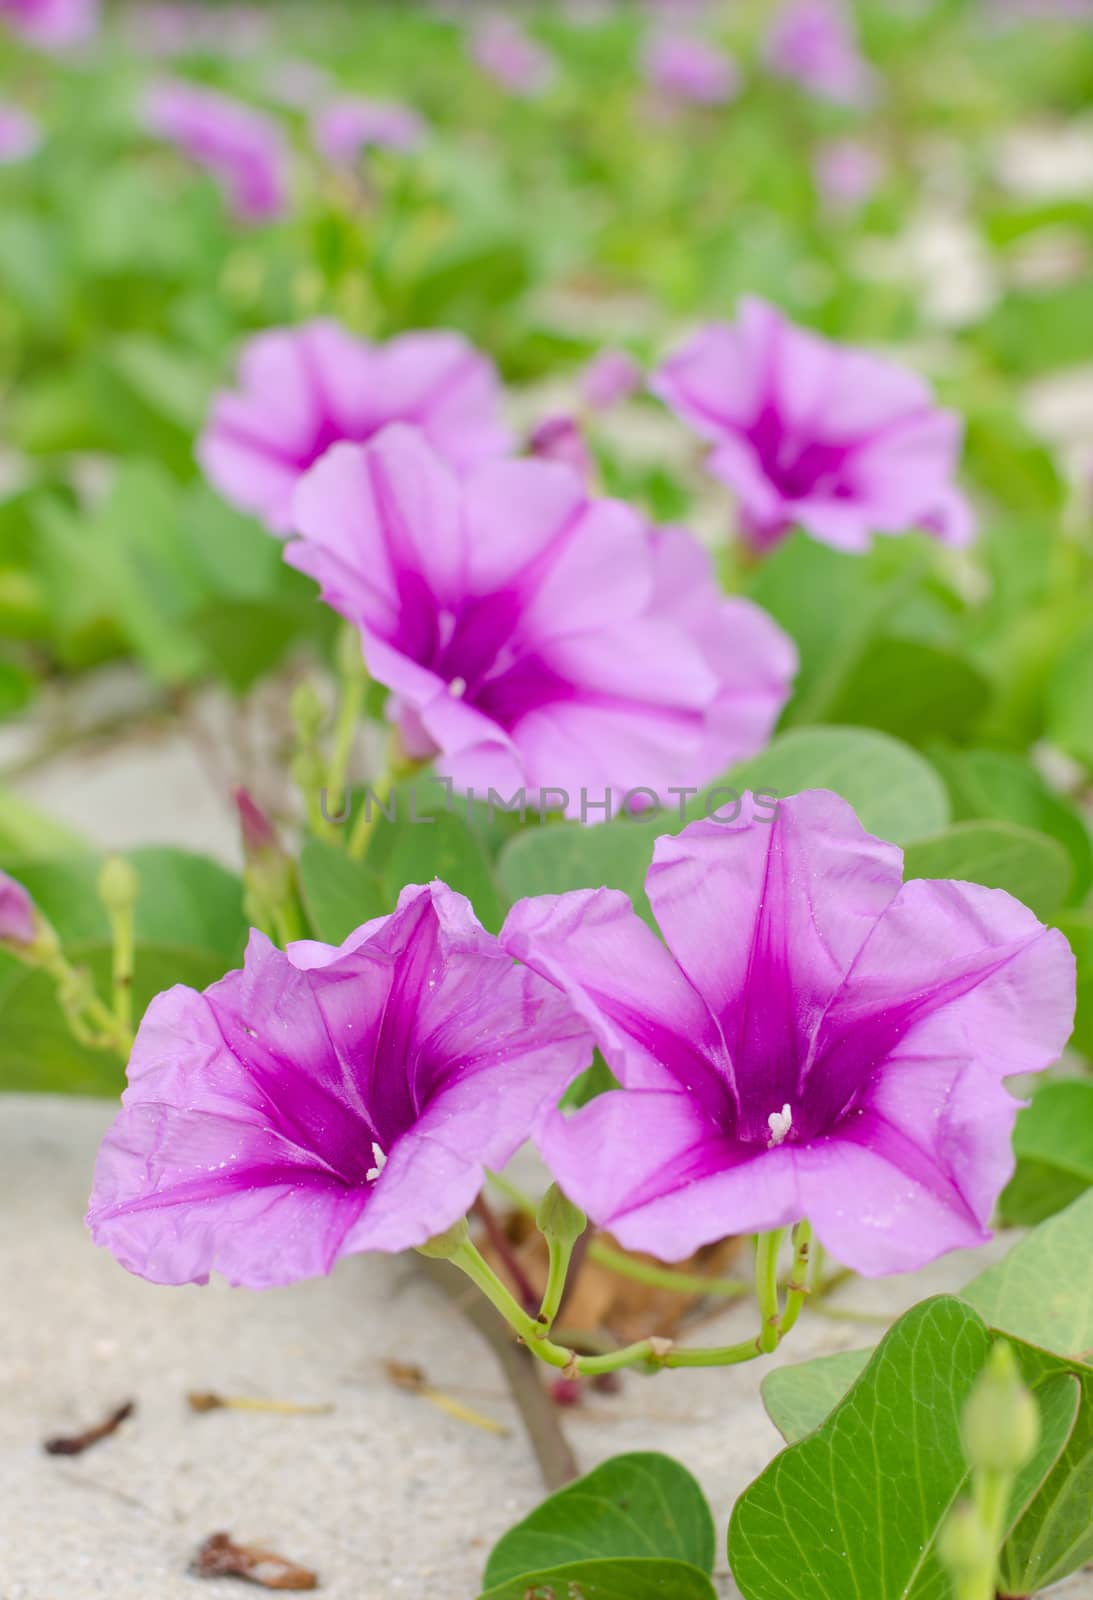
{"points": [[146, 576], [1048, 1527], [798, 1397], [855, 1508], [913, 690], [895, 791], [608, 1580], [37, 1052], [564, 855], [245, 639], [832, 605], [17, 687], [1051, 1534], [1053, 1141], [1070, 699], [995, 785], [338, 894], [185, 901], [644, 1504], [999, 855], [1042, 1291], [1078, 928], [445, 847]]}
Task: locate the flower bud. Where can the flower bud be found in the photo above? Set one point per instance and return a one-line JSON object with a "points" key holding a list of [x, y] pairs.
{"points": [[255, 827], [964, 1546], [1001, 1421], [560, 439], [119, 885], [17, 914], [559, 1219]]}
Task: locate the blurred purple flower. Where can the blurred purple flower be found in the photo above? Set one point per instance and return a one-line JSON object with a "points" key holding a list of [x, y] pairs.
{"points": [[20, 134], [508, 53], [813, 42], [839, 1054], [560, 439], [684, 66], [814, 434], [344, 128], [329, 1100], [521, 630], [242, 147], [610, 377], [17, 917], [847, 172], [52, 24], [304, 389]]}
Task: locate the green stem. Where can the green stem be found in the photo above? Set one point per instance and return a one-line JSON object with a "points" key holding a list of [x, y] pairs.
{"points": [[122, 963], [560, 1252], [376, 796], [625, 1266], [766, 1288], [89, 1019], [354, 679], [658, 1277], [288, 924], [991, 1496], [798, 1288], [470, 1261]]}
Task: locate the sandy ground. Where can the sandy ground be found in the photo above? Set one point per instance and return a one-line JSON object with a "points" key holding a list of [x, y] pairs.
{"points": [[385, 1496]]}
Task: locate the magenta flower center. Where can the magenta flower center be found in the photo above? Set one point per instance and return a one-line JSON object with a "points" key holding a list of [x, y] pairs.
{"points": [[799, 467]]}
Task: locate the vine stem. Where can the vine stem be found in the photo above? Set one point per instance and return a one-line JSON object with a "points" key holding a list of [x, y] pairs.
{"points": [[625, 1266], [766, 1288], [653, 1352], [557, 1463]]}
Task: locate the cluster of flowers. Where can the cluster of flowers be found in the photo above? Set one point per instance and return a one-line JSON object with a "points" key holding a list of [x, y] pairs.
{"points": [[810, 42], [812, 1038], [531, 634]]}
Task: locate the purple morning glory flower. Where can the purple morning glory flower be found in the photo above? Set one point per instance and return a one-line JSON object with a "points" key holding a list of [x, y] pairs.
{"points": [[52, 24], [325, 1101], [523, 632], [243, 148], [303, 389], [813, 42], [684, 66], [20, 134], [816, 1039], [17, 918], [809, 433], [847, 173], [507, 52], [345, 128], [610, 377]]}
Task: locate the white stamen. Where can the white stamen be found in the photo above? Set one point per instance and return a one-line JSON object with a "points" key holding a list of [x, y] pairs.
{"points": [[457, 688], [381, 1161], [779, 1123]]}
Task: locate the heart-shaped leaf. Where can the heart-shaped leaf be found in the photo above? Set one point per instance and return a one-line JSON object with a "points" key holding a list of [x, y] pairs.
{"points": [[856, 1507], [1042, 1290], [641, 1505], [1053, 1141]]}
